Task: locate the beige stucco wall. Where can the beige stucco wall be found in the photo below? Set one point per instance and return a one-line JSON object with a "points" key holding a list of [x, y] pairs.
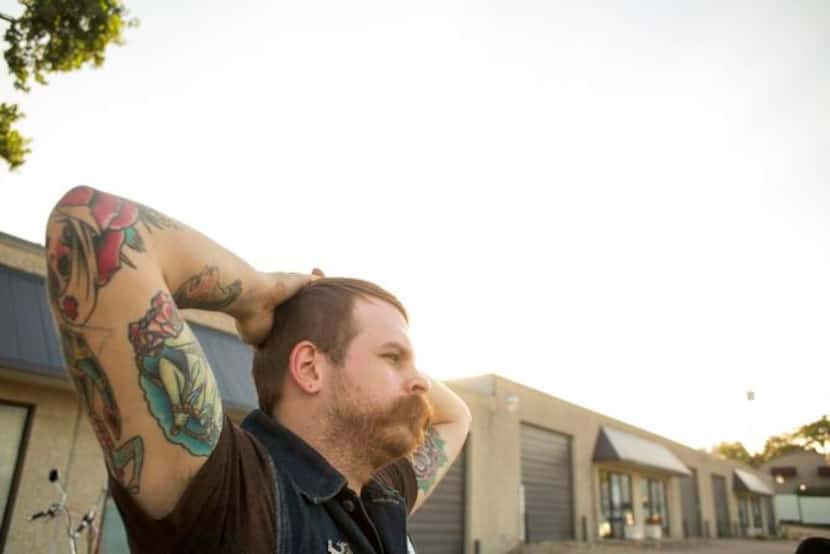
{"points": [[52, 444], [494, 464]]}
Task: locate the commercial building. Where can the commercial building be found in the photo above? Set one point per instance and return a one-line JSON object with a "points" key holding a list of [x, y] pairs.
{"points": [[802, 487], [535, 468]]}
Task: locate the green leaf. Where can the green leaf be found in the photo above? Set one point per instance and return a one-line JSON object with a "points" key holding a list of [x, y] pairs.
{"points": [[13, 145]]}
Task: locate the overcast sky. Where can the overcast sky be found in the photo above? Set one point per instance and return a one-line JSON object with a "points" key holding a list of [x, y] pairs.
{"points": [[625, 205]]}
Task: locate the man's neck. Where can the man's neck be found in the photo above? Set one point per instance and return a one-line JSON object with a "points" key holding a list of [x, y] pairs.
{"points": [[337, 450]]}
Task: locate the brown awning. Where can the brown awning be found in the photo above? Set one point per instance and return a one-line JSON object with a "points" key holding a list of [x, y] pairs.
{"points": [[749, 482], [614, 445]]}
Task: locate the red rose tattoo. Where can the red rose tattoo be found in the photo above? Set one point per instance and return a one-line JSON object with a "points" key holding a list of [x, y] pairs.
{"points": [[161, 322], [428, 458], [96, 230]]}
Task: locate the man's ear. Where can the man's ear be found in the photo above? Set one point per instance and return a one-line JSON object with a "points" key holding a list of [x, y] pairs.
{"points": [[303, 364]]}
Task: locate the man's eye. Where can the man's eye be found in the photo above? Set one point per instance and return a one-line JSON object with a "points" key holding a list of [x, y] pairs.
{"points": [[394, 358]]}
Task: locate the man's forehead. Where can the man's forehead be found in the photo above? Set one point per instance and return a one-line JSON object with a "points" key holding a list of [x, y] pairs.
{"points": [[381, 318]]}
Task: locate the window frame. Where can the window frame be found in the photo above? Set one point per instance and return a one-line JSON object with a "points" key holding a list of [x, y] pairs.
{"points": [[22, 447]]}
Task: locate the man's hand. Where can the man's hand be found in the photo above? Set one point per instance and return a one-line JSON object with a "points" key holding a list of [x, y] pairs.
{"points": [[255, 313]]}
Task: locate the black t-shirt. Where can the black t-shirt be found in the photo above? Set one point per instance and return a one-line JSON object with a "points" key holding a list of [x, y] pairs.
{"points": [[229, 505]]}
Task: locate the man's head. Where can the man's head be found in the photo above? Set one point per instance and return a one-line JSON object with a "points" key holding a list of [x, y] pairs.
{"points": [[340, 348]]}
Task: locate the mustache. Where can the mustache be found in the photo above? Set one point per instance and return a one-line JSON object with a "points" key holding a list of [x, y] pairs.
{"points": [[414, 409]]}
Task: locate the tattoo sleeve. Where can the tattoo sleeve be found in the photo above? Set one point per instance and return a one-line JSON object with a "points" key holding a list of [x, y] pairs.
{"points": [[97, 233], [174, 374], [205, 291], [103, 412], [428, 459]]}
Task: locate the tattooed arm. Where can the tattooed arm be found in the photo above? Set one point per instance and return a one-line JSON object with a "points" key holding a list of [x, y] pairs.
{"points": [[146, 385], [443, 442]]}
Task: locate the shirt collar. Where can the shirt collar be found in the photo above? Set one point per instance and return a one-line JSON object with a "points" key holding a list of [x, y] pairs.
{"points": [[307, 468]]}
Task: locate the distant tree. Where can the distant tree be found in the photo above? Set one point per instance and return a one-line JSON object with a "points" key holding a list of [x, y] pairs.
{"points": [[778, 445], [53, 36], [812, 437], [735, 451], [815, 435]]}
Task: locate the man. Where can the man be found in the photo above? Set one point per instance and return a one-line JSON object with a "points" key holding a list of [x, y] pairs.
{"points": [[350, 437]]}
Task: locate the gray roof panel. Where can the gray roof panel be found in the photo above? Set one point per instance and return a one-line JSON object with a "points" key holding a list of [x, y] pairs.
{"points": [[28, 340]]}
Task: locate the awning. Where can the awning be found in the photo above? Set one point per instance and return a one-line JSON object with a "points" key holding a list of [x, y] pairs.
{"points": [[749, 482], [614, 445]]}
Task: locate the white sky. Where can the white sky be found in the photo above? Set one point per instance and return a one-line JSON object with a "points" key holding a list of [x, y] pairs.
{"points": [[624, 205]]}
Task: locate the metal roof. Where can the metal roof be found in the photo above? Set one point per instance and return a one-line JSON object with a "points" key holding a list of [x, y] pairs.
{"points": [[29, 341], [614, 445], [749, 482]]}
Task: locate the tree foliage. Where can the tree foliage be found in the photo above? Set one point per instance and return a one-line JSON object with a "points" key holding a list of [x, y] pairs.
{"points": [[813, 437], [816, 435], [734, 451], [54, 36], [13, 146]]}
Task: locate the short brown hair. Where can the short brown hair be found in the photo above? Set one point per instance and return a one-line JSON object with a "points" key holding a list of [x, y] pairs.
{"points": [[322, 313]]}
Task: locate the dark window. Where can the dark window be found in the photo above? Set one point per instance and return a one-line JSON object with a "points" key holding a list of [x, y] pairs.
{"points": [[824, 471], [655, 508], [743, 512], [784, 471], [756, 513], [15, 420], [615, 500]]}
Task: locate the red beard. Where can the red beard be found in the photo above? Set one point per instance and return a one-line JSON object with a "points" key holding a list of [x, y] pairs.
{"points": [[384, 436]]}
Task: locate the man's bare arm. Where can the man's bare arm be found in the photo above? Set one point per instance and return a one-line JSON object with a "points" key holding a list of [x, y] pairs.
{"points": [[116, 271], [443, 442]]}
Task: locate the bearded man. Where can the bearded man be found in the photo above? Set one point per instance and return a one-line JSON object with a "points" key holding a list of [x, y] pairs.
{"points": [[350, 438]]}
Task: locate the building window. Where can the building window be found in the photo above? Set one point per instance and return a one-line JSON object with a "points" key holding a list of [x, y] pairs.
{"points": [[756, 513], [615, 501], [655, 509], [14, 430], [743, 512], [784, 471]]}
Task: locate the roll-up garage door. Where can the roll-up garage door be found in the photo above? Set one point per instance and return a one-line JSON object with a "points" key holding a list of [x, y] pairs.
{"points": [[438, 527], [546, 481], [721, 505], [691, 505]]}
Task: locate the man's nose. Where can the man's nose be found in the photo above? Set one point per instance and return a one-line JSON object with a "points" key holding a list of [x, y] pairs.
{"points": [[419, 384]]}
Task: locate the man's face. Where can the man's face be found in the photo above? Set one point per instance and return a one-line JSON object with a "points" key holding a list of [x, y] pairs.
{"points": [[377, 396]]}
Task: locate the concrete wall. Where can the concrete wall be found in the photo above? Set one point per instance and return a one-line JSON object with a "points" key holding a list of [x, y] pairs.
{"points": [[54, 442], [494, 464]]}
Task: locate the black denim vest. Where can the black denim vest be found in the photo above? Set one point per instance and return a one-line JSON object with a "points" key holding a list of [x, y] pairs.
{"points": [[316, 511]]}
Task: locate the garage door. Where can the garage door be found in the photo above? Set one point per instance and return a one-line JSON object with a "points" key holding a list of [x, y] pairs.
{"points": [[438, 527], [721, 505], [546, 481], [691, 505]]}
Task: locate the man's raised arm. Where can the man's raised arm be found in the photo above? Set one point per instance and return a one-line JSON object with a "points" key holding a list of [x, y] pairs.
{"points": [[443, 442], [116, 273]]}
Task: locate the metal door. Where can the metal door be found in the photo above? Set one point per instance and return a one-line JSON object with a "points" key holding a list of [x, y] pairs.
{"points": [[546, 478]]}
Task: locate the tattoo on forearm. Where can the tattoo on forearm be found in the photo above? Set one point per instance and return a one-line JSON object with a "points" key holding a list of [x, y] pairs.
{"points": [[205, 291], [174, 374], [428, 459], [96, 232], [98, 399]]}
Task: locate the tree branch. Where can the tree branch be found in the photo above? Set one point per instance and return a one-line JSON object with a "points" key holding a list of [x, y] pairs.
{"points": [[5, 17]]}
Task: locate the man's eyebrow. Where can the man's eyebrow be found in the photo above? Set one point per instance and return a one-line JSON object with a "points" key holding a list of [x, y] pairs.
{"points": [[398, 346]]}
